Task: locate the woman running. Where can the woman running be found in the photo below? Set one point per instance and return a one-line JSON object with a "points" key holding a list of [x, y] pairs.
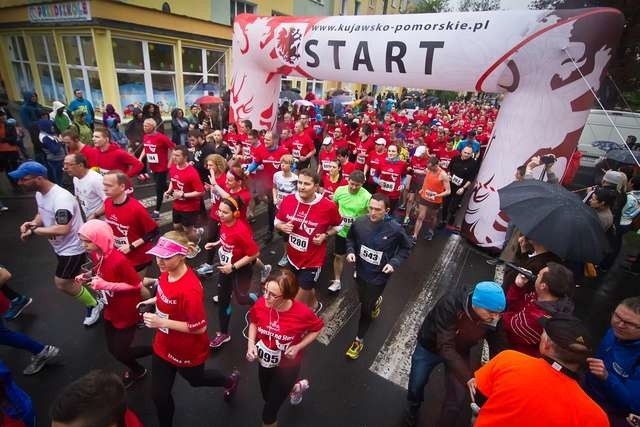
{"points": [[237, 253], [180, 344], [280, 329], [332, 180], [115, 275], [285, 182]]}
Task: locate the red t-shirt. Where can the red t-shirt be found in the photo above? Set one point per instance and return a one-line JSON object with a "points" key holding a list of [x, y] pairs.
{"points": [[374, 161], [156, 150], [129, 222], [215, 198], [325, 158], [91, 153], [114, 158], [301, 145], [246, 151], [347, 168], [391, 174], [446, 156], [270, 159], [277, 330], [309, 219], [232, 140], [120, 309], [236, 242], [330, 187], [340, 143], [362, 151], [181, 301], [418, 164], [186, 180], [244, 195]]}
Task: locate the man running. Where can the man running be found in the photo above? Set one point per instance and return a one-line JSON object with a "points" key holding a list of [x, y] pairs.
{"points": [[378, 245], [353, 202], [87, 185], [58, 219], [157, 150]]}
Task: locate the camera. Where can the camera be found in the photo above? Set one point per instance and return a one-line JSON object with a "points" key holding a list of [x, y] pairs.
{"points": [[146, 308], [549, 159]]}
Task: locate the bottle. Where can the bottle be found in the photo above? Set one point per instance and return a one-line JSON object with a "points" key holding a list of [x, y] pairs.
{"points": [[297, 391]]}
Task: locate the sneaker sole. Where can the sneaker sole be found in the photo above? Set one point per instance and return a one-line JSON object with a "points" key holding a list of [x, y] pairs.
{"points": [[221, 344], [19, 312]]}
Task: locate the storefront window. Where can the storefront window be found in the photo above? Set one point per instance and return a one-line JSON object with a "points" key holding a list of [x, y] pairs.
{"points": [[202, 69], [316, 86], [161, 57], [132, 89], [83, 71], [48, 68], [129, 54], [20, 63]]}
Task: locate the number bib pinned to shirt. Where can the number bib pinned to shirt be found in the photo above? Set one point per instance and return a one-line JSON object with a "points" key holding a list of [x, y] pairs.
{"points": [[298, 242], [295, 153], [121, 241], [457, 180], [267, 357], [370, 255], [386, 185], [225, 256], [326, 165], [152, 158], [347, 221]]}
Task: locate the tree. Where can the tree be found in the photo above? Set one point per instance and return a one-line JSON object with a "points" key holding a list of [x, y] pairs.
{"points": [[478, 5], [429, 6]]}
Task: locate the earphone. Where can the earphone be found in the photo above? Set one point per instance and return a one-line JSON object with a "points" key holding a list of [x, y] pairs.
{"points": [[234, 202]]}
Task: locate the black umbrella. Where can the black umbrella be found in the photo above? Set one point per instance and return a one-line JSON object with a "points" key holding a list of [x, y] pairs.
{"points": [[555, 217], [624, 156], [290, 95]]}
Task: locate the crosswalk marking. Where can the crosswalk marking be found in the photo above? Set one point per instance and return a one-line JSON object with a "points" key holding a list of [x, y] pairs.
{"points": [[338, 313], [393, 361]]}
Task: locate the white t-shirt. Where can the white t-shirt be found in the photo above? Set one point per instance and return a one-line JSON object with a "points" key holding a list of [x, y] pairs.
{"points": [[90, 192], [284, 185], [58, 199]]}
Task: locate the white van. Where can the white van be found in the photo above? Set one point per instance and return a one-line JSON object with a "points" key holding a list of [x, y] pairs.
{"points": [[599, 128]]}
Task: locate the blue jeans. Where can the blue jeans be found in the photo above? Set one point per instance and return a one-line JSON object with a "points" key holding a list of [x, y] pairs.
{"points": [[422, 363], [18, 340]]}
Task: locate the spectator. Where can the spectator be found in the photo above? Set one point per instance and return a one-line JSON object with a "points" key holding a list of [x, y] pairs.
{"points": [[151, 111], [631, 208], [30, 113], [548, 161], [80, 126], [193, 117], [9, 152], [53, 148], [135, 132], [80, 102], [111, 119], [614, 373], [179, 127], [602, 200], [470, 141], [60, 117], [525, 391]]}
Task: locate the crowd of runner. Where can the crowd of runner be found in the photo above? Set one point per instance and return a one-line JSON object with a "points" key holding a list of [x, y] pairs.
{"points": [[374, 183]]}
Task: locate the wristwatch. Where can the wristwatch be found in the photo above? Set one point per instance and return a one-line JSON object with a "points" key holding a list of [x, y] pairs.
{"points": [[131, 247]]}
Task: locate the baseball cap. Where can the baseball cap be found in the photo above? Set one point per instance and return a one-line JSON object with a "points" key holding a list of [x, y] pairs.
{"points": [[28, 168], [420, 150], [614, 177], [490, 296], [568, 332], [328, 140], [166, 248], [381, 141]]}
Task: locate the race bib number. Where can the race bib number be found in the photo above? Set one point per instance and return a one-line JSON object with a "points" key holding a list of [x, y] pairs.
{"points": [[361, 159], [295, 153], [372, 171], [267, 357], [430, 195], [164, 316], [298, 242], [225, 256], [457, 180], [326, 165], [152, 158], [120, 241], [387, 185], [371, 256], [347, 221], [246, 151], [444, 163]]}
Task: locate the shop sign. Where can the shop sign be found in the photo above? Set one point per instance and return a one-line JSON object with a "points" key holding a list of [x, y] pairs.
{"points": [[60, 12]]}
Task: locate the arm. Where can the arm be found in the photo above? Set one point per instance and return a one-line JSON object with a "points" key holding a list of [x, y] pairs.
{"points": [[135, 165], [152, 320], [447, 186], [100, 284], [403, 249], [252, 352], [293, 350]]}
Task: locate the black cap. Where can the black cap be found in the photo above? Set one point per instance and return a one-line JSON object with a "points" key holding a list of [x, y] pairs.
{"points": [[568, 332]]}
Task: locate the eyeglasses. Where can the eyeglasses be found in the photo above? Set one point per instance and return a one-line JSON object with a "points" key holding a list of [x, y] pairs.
{"points": [[618, 319], [269, 294]]}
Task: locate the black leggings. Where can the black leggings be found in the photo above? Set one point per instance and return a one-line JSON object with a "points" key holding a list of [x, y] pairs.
{"points": [[213, 234], [367, 294], [450, 206], [163, 375], [275, 385], [238, 283], [160, 178], [9, 293], [119, 345]]}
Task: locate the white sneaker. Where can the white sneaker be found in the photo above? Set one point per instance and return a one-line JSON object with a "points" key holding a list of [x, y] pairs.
{"points": [[39, 360], [93, 314], [284, 261], [295, 396], [216, 299], [195, 253], [335, 286], [199, 233], [204, 269], [264, 273]]}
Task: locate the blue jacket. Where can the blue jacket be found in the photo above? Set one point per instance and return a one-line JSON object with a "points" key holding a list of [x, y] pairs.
{"points": [[17, 403], [29, 111], [620, 393], [77, 103]]}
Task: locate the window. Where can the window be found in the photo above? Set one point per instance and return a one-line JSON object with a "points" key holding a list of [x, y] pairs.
{"points": [[372, 4], [395, 3], [402, 6], [48, 68], [83, 69], [203, 73], [240, 7], [317, 86], [20, 63], [357, 7], [146, 73]]}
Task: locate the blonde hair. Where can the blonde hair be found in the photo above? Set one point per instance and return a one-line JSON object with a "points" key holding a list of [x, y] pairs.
{"points": [[219, 162], [288, 158], [181, 239]]}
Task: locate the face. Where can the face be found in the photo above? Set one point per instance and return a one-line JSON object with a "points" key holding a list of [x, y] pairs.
{"points": [[487, 316], [377, 210], [306, 187], [87, 244], [30, 182], [70, 166], [268, 140], [78, 94], [194, 111], [594, 202], [285, 166], [148, 126], [72, 145], [298, 127], [169, 264], [111, 187], [379, 148], [217, 137], [272, 294], [467, 152], [392, 152], [304, 119], [180, 113], [100, 140], [225, 213], [539, 285], [194, 141], [232, 182], [354, 186], [334, 168], [178, 158], [337, 133], [625, 323], [327, 147]]}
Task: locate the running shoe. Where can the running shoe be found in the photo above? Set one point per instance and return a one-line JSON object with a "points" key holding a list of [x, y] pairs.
{"points": [[298, 389], [233, 387], [39, 360], [216, 299], [402, 207], [284, 261], [129, 378], [204, 269], [428, 235], [93, 314], [3, 208], [219, 340], [18, 304], [335, 286], [376, 308], [195, 252], [264, 273], [155, 215], [318, 308], [353, 352], [199, 233], [406, 220]]}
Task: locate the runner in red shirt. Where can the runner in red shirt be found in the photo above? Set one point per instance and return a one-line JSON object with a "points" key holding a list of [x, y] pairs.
{"points": [[326, 156], [110, 156], [302, 147], [417, 170], [447, 154], [332, 180], [374, 162], [115, 276], [280, 329], [157, 149], [342, 155], [339, 141], [231, 137], [133, 228], [309, 219], [237, 252], [392, 177], [180, 344], [187, 190], [364, 145], [72, 141]]}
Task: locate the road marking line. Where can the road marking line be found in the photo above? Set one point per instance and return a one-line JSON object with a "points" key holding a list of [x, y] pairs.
{"points": [[338, 313], [393, 361]]}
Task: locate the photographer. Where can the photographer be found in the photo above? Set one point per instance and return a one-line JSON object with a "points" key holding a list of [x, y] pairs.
{"points": [[548, 161]]}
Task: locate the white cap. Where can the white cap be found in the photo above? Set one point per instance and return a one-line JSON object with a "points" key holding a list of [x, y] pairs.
{"points": [[328, 140], [420, 150], [381, 141]]}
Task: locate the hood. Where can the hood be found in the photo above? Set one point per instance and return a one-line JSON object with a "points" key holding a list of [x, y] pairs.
{"points": [[174, 113], [57, 105], [99, 233], [563, 305], [145, 108], [45, 125], [79, 112], [27, 97], [109, 109]]}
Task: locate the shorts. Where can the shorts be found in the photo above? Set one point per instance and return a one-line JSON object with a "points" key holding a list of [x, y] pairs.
{"points": [[70, 266], [416, 184], [340, 245], [428, 204], [186, 219], [307, 277]]}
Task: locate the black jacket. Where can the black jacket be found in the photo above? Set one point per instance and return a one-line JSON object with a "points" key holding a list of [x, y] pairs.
{"points": [[452, 328]]}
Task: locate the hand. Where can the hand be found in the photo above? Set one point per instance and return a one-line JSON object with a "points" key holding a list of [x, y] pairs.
{"points": [[472, 385], [597, 368], [82, 278], [252, 352], [548, 166], [633, 420], [177, 194], [351, 258], [27, 226], [147, 301], [521, 280], [25, 235], [292, 351], [168, 194], [388, 269], [401, 187], [97, 282], [226, 268], [153, 321], [460, 191], [208, 186], [125, 249], [211, 245], [318, 239], [286, 228]]}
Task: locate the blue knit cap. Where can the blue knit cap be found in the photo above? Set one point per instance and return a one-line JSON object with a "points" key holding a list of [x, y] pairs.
{"points": [[490, 296]]}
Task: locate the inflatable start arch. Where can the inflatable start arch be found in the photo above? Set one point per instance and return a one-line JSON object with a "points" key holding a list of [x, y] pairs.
{"points": [[545, 62]]}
